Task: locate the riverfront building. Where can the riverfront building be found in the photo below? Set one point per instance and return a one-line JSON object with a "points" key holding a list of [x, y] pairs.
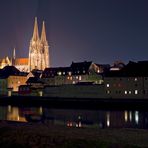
{"points": [[10, 79], [77, 72], [129, 82]]}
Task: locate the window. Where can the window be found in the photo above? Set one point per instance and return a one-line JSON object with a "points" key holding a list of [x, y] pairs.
{"points": [[136, 85], [130, 92], [125, 92], [107, 85], [59, 73], [80, 78], [69, 73], [136, 92], [119, 85], [108, 92], [136, 79]]}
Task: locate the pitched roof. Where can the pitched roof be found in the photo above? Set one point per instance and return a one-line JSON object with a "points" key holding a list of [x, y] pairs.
{"points": [[34, 80], [80, 67], [132, 69], [52, 72], [9, 70], [37, 73], [21, 61]]}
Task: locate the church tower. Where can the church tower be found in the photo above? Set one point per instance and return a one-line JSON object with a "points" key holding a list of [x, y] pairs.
{"points": [[44, 48], [39, 49], [13, 57]]}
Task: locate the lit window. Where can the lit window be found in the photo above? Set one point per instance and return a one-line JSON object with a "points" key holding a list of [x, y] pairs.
{"points": [[73, 82], [76, 77], [125, 92], [59, 73], [69, 73], [63, 73], [130, 92], [136, 79], [107, 85], [80, 78], [108, 92], [136, 92], [98, 71], [67, 78]]}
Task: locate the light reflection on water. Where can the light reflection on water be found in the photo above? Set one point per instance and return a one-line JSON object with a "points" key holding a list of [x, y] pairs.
{"points": [[76, 118]]}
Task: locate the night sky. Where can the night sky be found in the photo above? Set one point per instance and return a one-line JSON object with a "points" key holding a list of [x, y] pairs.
{"points": [[101, 31]]}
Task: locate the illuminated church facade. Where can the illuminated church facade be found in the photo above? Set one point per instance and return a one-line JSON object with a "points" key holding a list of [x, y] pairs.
{"points": [[38, 53]]}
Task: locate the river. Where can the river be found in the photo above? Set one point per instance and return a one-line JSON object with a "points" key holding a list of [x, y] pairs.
{"points": [[77, 117]]}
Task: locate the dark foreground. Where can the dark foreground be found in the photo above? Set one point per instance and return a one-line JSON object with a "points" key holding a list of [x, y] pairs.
{"points": [[42, 135]]}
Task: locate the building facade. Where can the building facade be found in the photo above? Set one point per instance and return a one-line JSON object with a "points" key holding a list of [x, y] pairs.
{"points": [[38, 50], [38, 53], [76, 73]]}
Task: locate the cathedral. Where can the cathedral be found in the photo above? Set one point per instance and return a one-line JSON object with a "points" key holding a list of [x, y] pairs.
{"points": [[38, 53]]}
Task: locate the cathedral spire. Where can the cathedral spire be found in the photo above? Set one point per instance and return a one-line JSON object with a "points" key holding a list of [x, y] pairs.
{"points": [[43, 34], [35, 32], [14, 56]]}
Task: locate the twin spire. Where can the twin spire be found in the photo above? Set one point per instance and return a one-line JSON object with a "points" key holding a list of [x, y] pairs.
{"points": [[36, 32]]}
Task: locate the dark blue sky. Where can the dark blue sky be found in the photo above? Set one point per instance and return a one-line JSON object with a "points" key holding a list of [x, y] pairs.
{"points": [[95, 30]]}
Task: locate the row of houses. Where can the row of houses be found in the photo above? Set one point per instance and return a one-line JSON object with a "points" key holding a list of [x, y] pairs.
{"points": [[11, 79], [86, 79]]}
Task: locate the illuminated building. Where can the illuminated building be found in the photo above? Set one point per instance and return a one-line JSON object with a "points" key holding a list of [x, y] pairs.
{"points": [[77, 72], [129, 82], [38, 53], [39, 49], [11, 78]]}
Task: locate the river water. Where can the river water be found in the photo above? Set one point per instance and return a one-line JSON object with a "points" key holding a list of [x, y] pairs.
{"points": [[76, 117]]}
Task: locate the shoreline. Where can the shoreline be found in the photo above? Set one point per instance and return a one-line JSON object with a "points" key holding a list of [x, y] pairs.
{"points": [[80, 103], [47, 135]]}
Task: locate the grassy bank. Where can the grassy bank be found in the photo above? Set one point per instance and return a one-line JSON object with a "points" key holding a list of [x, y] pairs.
{"points": [[46, 135]]}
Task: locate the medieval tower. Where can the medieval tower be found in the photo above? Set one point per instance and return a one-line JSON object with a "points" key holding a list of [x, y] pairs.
{"points": [[39, 49]]}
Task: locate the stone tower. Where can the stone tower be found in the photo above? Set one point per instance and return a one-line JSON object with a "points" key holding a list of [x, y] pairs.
{"points": [[39, 49]]}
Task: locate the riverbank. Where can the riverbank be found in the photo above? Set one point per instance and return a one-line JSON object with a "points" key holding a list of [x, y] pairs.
{"points": [[14, 134], [80, 103]]}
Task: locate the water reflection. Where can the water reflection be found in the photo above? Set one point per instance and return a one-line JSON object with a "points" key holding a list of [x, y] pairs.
{"points": [[76, 118], [108, 119]]}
